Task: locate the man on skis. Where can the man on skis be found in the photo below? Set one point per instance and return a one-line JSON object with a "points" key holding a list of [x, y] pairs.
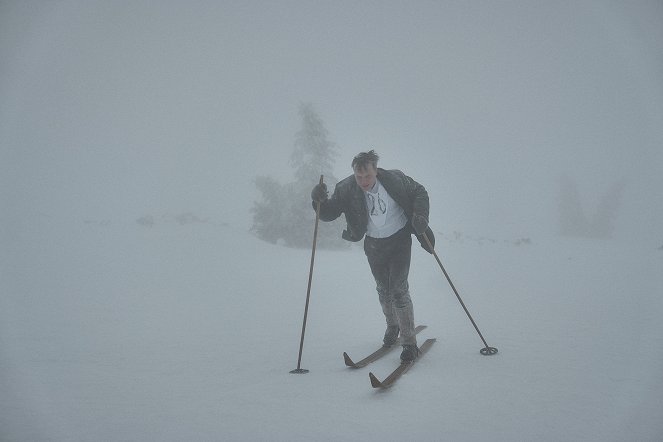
{"points": [[386, 207]]}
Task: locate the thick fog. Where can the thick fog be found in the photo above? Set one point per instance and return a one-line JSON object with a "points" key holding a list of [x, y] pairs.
{"points": [[524, 120], [113, 110]]}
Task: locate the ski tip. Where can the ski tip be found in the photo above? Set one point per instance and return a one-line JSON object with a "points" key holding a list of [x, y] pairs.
{"points": [[375, 382], [426, 345], [349, 362]]}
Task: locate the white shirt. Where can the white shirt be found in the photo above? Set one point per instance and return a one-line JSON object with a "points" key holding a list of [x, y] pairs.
{"points": [[385, 216]]}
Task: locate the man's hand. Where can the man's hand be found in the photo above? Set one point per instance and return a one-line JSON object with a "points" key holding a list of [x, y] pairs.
{"points": [[419, 223], [319, 193]]}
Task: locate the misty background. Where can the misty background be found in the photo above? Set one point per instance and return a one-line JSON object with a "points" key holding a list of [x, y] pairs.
{"points": [[116, 110], [137, 304]]}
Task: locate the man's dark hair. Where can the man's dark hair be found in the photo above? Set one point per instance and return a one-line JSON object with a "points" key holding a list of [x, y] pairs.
{"points": [[363, 159]]}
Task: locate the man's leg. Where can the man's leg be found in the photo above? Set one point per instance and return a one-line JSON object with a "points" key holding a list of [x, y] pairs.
{"points": [[378, 261], [399, 269]]}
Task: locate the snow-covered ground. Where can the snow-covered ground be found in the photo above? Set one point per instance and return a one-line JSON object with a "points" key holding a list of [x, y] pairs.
{"points": [[116, 331]]}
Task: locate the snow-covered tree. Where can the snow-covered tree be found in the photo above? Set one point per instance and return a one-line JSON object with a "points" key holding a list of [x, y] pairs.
{"points": [[268, 214], [314, 153], [573, 220], [285, 213], [603, 223]]}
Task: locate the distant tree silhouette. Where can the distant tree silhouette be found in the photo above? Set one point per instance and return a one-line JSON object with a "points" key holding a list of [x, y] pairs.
{"points": [[285, 214], [603, 222], [313, 151], [573, 220]]}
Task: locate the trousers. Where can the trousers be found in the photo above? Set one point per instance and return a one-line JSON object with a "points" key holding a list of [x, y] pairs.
{"points": [[389, 260]]}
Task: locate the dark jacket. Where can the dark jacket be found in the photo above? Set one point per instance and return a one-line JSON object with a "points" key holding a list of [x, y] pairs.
{"points": [[349, 199]]}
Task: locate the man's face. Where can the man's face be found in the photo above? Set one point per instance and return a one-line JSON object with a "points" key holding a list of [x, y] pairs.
{"points": [[366, 177]]}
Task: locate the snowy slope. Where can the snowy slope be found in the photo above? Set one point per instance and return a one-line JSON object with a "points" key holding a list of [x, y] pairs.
{"points": [[120, 332]]}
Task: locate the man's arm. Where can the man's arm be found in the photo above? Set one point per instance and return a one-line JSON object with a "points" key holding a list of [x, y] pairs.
{"points": [[330, 208], [419, 196]]}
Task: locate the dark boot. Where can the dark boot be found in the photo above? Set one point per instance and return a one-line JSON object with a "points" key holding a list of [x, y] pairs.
{"points": [[410, 353], [391, 335]]}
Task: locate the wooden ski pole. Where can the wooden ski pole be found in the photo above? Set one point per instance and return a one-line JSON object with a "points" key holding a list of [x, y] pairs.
{"points": [[299, 369], [487, 350]]}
